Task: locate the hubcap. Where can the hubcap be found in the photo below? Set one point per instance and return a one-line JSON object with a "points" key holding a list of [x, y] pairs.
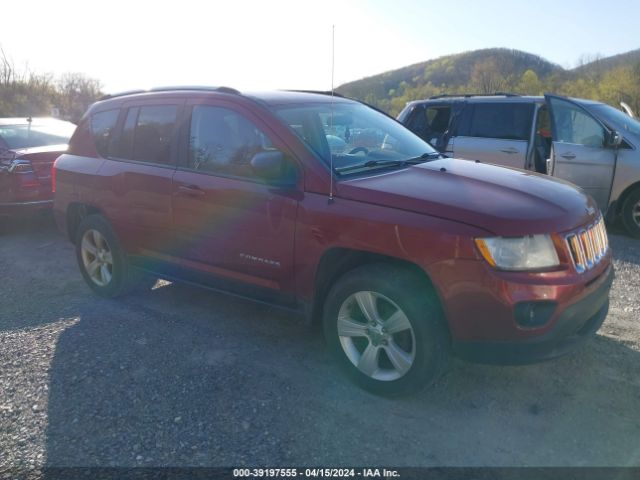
{"points": [[635, 213], [96, 257], [376, 336]]}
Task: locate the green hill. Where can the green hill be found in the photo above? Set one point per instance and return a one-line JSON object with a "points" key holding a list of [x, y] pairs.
{"points": [[602, 65], [609, 79]]}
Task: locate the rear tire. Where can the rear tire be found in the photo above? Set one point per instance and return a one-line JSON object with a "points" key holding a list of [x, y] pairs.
{"points": [[631, 213], [385, 328], [102, 260]]}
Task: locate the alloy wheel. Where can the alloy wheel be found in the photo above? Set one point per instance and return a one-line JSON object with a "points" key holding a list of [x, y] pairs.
{"points": [[635, 213], [97, 257], [376, 336]]}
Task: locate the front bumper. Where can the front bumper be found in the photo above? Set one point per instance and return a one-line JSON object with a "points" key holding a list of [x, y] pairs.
{"points": [[577, 323]]}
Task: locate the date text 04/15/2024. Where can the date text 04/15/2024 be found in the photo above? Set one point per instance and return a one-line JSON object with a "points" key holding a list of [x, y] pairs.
{"points": [[314, 473]]}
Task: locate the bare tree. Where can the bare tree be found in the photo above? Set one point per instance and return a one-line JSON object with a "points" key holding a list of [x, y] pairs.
{"points": [[486, 77], [75, 93]]}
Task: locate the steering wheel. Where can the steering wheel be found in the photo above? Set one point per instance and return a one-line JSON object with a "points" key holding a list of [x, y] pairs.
{"points": [[358, 150]]}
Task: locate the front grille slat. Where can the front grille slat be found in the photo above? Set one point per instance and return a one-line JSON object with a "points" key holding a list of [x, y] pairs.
{"points": [[588, 246]]}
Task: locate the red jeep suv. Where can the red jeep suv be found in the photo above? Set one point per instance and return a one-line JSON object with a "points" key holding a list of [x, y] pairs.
{"points": [[404, 255]]}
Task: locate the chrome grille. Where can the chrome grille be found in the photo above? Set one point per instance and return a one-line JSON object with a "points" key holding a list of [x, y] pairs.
{"points": [[588, 246]]}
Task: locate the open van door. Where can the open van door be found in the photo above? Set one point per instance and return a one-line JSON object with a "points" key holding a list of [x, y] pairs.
{"points": [[581, 150]]}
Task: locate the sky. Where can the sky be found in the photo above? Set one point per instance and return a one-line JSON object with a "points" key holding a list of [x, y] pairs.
{"points": [[272, 44]]}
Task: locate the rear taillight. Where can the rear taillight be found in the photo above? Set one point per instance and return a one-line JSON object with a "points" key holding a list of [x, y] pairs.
{"points": [[25, 175], [53, 177], [21, 166]]}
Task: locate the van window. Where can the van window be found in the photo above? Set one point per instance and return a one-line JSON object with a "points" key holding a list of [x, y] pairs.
{"points": [[574, 125], [147, 134], [102, 126], [430, 122], [223, 141], [508, 121]]}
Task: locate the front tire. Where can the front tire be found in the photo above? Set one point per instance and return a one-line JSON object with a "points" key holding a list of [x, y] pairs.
{"points": [[102, 261], [386, 330], [631, 213]]}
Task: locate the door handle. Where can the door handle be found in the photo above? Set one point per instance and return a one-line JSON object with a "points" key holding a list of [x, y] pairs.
{"points": [[192, 190], [568, 156], [510, 150]]}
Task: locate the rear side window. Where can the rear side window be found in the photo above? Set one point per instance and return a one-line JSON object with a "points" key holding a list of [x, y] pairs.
{"points": [[507, 121], [102, 127], [147, 134]]}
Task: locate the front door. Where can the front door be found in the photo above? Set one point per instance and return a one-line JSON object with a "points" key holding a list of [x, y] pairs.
{"points": [[579, 153], [226, 220]]}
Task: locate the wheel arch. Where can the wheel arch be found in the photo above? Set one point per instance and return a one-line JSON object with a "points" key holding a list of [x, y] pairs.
{"points": [[624, 195], [76, 212], [337, 261]]}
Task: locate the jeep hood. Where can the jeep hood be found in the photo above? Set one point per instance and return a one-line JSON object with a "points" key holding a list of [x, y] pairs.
{"points": [[503, 201]]}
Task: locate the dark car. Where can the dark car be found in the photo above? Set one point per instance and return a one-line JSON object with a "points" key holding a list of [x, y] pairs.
{"points": [[28, 148], [404, 255]]}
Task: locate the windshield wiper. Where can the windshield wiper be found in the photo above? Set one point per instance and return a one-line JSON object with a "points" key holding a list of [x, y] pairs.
{"points": [[391, 163], [424, 157]]}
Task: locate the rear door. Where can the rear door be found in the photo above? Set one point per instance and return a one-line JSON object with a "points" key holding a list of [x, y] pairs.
{"points": [[495, 132], [138, 171], [579, 154]]}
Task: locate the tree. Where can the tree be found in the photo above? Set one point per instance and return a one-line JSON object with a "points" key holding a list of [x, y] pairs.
{"points": [[530, 84], [486, 77], [75, 92]]}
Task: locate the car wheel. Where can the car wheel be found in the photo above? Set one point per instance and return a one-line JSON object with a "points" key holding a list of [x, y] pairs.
{"points": [[386, 330], [102, 261], [631, 213]]}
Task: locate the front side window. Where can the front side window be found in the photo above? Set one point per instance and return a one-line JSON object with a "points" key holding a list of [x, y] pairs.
{"points": [[574, 125], [506, 121], [223, 141], [147, 134], [353, 137]]}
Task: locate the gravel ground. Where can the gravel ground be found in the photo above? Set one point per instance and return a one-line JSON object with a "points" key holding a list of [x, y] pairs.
{"points": [[180, 376]]}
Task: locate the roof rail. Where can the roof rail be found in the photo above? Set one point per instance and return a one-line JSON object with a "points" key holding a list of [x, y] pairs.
{"points": [[120, 94], [467, 95], [203, 88], [319, 92], [169, 89]]}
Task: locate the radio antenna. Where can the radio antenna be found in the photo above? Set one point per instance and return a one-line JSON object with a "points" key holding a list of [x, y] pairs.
{"points": [[333, 56]]}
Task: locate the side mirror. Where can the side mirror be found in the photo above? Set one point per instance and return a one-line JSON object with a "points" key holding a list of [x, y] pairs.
{"points": [[273, 168], [614, 139]]}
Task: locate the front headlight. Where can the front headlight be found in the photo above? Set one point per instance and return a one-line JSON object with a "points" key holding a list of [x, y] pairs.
{"points": [[532, 252]]}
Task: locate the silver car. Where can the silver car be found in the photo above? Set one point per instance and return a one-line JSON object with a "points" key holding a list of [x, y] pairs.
{"points": [[590, 144]]}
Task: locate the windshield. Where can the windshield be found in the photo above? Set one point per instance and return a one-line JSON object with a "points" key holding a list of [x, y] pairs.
{"points": [[618, 119], [354, 136], [25, 136]]}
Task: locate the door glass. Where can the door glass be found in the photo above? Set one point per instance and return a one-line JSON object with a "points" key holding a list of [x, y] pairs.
{"points": [[102, 126], [430, 123], [154, 129], [147, 134], [223, 141], [574, 125], [507, 121]]}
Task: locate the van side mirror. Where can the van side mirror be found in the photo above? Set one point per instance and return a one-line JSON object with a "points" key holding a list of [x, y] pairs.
{"points": [[273, 168], [614, 139]]}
